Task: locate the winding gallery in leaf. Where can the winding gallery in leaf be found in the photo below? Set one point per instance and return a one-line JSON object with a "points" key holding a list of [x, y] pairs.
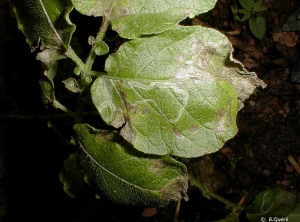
{"points": [[168, 90]]}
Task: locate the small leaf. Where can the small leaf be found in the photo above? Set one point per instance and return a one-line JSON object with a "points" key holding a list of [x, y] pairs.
{"points": [[88, 79], [246, 13], [91, 40], [72, 85], [234, 9], [292, 26], [47, 84], [102, 48], [293, 23], [77, 70], [45, 23], [258, 27], [236, 18], [126, 175], [258, 3], [273, 203], [260, 8], [72, 179], [134, 18], [176, 94], [247, 4]]}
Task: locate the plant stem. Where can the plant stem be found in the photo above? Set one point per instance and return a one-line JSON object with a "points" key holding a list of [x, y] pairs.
{"points": [[58, 105], [97, 74], [71, 54], [92, 55], [212, 194]]}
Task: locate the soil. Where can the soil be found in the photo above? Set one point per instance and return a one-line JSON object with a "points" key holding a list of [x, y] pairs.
{"points": [[256, 159]]}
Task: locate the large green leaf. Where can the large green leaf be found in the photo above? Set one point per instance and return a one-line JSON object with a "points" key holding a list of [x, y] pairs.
{"points": [[126, 175], [45, 23], [132, 18], [272, 203], [174, 93]]}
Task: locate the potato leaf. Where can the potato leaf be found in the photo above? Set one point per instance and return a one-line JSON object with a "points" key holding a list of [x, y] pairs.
{"points": [[273, 203], [177, 94], [126, 175], [72, 179], [134, 18], [45, 23]]}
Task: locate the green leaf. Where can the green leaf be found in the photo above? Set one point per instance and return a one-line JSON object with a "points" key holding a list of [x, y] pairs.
{"points": [[247, 4], [134, 18], [246, 13], [45, 23], [234, 10], [258, 27], [273, 203], [260, 8], [126, 175], [176, 94], [102, 48], [258, 3], [47, 84], [72, 179], [77, 70]]}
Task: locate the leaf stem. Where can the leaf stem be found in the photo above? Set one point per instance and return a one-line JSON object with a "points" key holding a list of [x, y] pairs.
{"points": [[212, 194], [92, 55], [71, 54], [58, 105], [97, 74]]}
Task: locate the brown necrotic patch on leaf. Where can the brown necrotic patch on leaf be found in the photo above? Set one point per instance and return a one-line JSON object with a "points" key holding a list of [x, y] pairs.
{"points": [[128, 133], [145, 111], [179, 185], [194, 129], [126, 10], [180, 78], [156, 167], [177, 133], [223, 120]]}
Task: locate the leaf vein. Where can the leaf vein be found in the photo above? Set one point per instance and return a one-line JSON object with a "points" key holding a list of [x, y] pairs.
{"points": [[109, 172]]}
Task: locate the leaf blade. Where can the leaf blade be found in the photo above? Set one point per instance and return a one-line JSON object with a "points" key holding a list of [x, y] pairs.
{"points": [[45, 23], [173, 96], [134, 18], [247, 4], [273, 203], [258, 27], [125, 175]]}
